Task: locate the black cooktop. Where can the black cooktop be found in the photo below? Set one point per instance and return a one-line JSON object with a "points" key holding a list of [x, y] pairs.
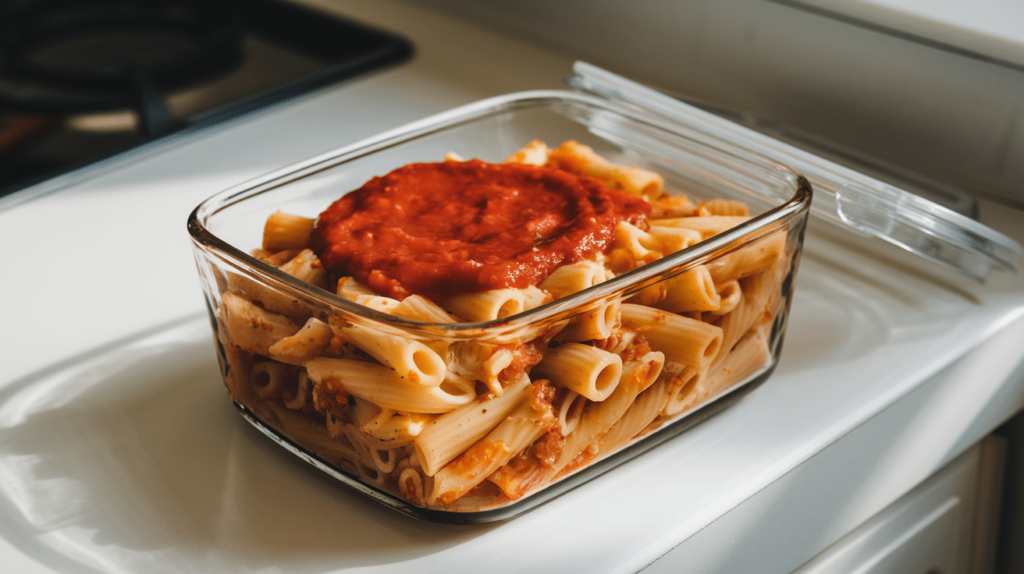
{"points": [[83, 80]]}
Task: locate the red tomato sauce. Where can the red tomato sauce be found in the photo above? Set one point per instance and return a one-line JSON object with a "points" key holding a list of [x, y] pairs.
{"points": [[439, 229]]}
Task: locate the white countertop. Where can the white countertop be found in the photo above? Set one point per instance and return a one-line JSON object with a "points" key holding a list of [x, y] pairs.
{"points": [[119, 451]]}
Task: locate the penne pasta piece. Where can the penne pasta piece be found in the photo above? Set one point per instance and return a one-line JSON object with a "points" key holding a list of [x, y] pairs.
{"points": [[570, 411], [499, 360], [752, 309], [598, 323], [299, 398], [596, 420], [267, 298], [673, 239], [488, 363], [307, 267], [583, 369], [534, 153], [449, 435], [378, 303], [578, 158], [576, 277], [523, 426], [363, 412], [671, 206], [707, 226], [335, 379], [349, 288], [758, 256], [730, 293], [680, 390], [749, 355], [375, 460], [645, 409], [410, 359], [619, 342], [637, 181], [275, 258], [632, 248], [683, 340], [397, 430], [286, 231], [419, 308], [312, 340], [269, 378], [729, 207], [534, 297], [253, 328], [410, 483], [644, 371], [692, 290], [486, 306]]}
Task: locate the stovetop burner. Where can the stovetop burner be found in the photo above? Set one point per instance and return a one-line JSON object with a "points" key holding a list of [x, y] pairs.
{"points": [[82, 80]]}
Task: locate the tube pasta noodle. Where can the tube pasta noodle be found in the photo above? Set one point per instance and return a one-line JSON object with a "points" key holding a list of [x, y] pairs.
{"points": [[516, 432], [487, 306], [576, 277], [410, 359], [285, 231], [680, 390], [706, 226], [251, 327], [645, 370], [672, 239], [535, 153], [597, 323], [725, 207], [574, 157], [419, 308], [583, 369], [337, 378], [269, 378], [448, 436], [468, 424], [596, 420], [692, 290], [645, 409], [683, 340], [311, 341], [632, 248], [351, 289], [570, 411], [307, 267], [730, 294], [758, 256]]}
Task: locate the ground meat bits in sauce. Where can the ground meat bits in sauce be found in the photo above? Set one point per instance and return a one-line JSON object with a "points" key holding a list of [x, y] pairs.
{"points": [[439, 229]]}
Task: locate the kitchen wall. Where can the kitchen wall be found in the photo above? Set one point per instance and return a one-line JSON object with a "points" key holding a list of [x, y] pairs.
{"points": [[948, 116]]}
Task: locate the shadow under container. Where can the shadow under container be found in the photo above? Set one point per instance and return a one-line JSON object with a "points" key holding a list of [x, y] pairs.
{"points": [[760, 255]]}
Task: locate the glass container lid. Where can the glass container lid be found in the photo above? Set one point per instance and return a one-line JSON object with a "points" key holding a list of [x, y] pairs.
{"points": [[845, 197]]}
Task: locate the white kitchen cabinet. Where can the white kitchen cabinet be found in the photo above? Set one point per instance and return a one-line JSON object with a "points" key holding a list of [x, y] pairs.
{"points": [[928, 531]]}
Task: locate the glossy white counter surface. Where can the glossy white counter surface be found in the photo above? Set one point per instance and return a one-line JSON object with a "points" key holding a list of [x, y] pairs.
{"points": [[119, 451]]}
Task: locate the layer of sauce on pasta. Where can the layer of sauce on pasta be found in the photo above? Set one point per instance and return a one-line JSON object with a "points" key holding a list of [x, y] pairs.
{"points": [[439, 229]]}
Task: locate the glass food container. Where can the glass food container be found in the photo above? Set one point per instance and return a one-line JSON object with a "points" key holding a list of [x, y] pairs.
{"points": [[304, 364]]}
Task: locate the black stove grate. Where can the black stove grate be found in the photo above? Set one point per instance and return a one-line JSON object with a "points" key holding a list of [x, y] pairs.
{"points": [[145, 69]]}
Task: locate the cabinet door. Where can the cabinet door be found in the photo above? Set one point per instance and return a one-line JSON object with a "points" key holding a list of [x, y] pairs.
{"points": [[928, 531]]}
